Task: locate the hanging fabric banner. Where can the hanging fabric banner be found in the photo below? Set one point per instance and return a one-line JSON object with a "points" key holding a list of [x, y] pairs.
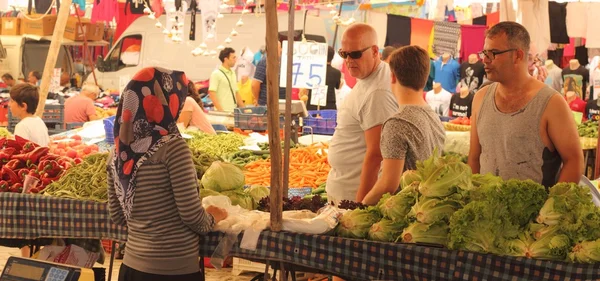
{"points": [[175, 24], [210, 10]]}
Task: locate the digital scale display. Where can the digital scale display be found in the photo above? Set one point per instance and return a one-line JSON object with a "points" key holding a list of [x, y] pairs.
{"points": [[20, 269]]}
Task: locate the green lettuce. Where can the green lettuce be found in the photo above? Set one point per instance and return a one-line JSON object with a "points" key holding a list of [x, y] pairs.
{"points": [[524, 199], [430, 210], [445, 180], [357, 223], [409, 177], [586, 252], [396, 207], [552, 246], [222, 176], [563, 203], [386, 230], [239, 197], [416, 232]]}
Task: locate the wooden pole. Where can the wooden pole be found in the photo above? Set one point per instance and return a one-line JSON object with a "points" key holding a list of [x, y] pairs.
{"points": [[288, 100], [57, 36], [85, 47], [276, 194]]}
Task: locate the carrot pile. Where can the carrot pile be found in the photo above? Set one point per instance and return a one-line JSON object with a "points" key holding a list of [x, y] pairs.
{"points": [[308, 168]]}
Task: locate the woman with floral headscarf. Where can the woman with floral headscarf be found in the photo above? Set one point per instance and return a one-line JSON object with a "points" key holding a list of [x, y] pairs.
{"points": [[152, 184]]}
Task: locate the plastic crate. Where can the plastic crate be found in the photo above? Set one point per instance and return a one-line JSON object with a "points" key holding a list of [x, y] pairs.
{"points": [[294, 191], [254, 118], [109, 124], [325, 125], [53, 117]]}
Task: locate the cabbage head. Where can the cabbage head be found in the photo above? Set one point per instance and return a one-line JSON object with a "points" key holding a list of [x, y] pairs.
{"points": [[430, 210], [445, 179], [257, 192], [239, 197], [396, 207], [386, 230], [436, 233], [207, 192], [222, 176], [356, 223]]}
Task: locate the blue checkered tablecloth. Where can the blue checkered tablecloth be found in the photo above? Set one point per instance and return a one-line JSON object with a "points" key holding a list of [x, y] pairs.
{"points": [[368, 260], [27, 217]]}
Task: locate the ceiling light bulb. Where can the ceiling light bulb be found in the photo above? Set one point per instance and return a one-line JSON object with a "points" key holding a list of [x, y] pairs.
{"points": [[166, 32], [245, 11], [203, 45], [234, 33], [228, 40], [220, 47], [213, 52], [151, 16], [239, 23], [220, 16], [210, 36], [147, 10], [180, 24], [158, 25], [330, 6]]}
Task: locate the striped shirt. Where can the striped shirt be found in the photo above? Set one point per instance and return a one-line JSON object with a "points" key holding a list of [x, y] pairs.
{"points": [[167, 216]]}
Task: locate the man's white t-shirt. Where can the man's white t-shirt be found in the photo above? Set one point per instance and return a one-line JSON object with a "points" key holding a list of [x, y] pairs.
{"points": [[440, 102], [33, 129], [369, 104]]}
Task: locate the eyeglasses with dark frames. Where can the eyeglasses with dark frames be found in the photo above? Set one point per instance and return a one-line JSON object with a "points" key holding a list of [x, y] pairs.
{"points": [[486, 53]]}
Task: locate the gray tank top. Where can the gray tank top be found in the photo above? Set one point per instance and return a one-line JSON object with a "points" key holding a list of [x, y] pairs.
{"points": [[511, 145]]}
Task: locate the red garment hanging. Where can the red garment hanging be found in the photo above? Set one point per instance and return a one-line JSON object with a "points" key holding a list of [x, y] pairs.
{"points": [[124, 20]]}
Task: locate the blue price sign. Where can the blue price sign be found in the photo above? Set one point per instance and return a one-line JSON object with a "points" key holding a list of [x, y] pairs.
{"points": [[309, 65]]}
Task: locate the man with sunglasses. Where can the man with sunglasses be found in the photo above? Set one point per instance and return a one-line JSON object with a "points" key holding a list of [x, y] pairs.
{"points": [[520, 127], [354, 153]]}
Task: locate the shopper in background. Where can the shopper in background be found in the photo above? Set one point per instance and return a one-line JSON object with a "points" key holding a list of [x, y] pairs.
{"points": [[403, 142], [386, 53], [354, 153], [192, 116], [34, 78], [24, 99], [152, 184], [222, 89], [80, 108], [519, 109], [8, 80], [245, 90], [259, 82]]}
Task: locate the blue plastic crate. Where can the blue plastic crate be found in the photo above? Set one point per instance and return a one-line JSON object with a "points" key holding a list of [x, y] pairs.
{"points": [[302, 191], [109, 124], [325, 125]]}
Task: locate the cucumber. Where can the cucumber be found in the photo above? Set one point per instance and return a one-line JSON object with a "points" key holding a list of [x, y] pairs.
{"points": [[319, 190]]}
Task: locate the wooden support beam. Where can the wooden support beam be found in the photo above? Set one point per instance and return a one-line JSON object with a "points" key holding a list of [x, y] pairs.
{"points": [[276, 194], [57, 36], [288, 99]]}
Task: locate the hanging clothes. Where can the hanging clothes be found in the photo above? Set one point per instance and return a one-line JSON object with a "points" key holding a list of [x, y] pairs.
{"points": [[124, 19], [593, 36], [476, 10], [533, 15], [42, 6], [472, 38], [420, 30], [134, 6], [581, 54], [577, 19], [81, 4], [558, 26], [480, 21], [105, 10], [446, 38], [157, 8], [398, 31], [379, 21], [492, 19]]}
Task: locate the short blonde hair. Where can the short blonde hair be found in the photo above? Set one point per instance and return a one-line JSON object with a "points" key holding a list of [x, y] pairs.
{"points": [[90, 88]]}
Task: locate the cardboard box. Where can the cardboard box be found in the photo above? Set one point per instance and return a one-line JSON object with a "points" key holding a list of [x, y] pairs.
{"points": [[96, 31], [11, 26], [40, 27], [74, 31]]}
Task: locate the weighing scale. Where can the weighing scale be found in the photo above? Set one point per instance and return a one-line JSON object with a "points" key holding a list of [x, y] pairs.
{"points": [[298, 109], [23, 269]]}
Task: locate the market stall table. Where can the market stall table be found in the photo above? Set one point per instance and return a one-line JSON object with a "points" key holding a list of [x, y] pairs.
{"points": [[368, 260]]}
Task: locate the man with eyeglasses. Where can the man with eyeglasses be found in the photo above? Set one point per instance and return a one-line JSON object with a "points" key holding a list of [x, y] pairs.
{"points": [[354, 153], [520, 127]]}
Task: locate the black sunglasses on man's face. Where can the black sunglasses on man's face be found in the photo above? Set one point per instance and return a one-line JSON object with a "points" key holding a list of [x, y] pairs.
{"points": [[353, 55]]}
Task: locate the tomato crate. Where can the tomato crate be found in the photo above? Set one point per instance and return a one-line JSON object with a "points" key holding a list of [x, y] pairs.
{"points": [[255, 118], [324, 125]]}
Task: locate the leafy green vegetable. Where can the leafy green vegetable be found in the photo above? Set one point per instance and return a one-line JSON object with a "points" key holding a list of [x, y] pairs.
{"points": [[445, 179], [357, 223], [207, 192], [563, 202], [223, 176], [524, 199], [436, 233], [481, 226], [386, 230], [586, 252], [241, 198], [551, 246], [430, 210], [215, 145], [409, 177], [258, 192], [396, 207]]}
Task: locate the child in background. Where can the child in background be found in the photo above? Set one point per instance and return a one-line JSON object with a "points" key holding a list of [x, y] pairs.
{"points": [[23, 102]]}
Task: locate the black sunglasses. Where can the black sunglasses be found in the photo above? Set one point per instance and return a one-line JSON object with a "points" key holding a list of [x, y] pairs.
{"points": [[353, 55]]}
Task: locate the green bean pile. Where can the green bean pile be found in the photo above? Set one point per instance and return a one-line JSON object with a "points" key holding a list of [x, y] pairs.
{"points": [[202, 161], [85, 181], [215, 145]]}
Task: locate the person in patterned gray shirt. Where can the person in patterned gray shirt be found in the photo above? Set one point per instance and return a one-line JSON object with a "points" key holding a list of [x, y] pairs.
{"points": [[415, 131]]}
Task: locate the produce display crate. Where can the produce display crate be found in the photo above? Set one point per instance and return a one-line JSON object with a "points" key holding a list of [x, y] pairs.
{"points": [[54, 117], [109, 124], [295, 191], [254, 118], [324, 125]]}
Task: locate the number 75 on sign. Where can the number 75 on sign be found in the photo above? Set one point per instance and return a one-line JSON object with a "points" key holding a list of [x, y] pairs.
{"points": [[309, 65]]}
